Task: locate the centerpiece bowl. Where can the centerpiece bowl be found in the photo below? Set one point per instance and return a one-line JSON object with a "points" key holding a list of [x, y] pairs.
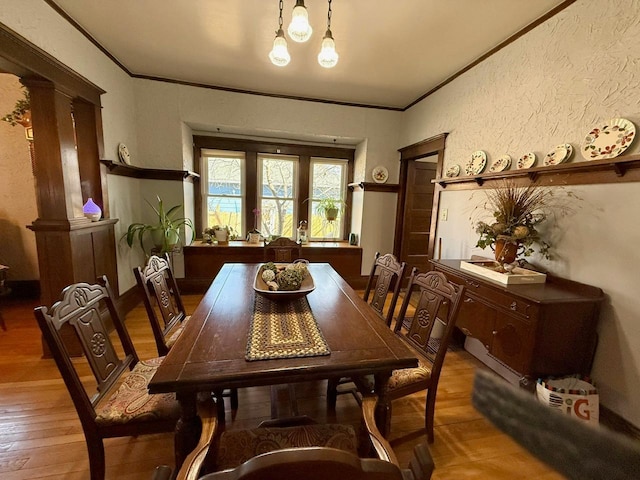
{"points": [[261, 287]]}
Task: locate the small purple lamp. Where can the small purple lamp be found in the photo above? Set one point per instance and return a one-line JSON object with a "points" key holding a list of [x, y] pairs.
{"points": [[92, 211]]}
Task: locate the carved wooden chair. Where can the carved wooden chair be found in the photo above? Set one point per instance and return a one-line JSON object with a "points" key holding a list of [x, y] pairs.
{"points": [[438, 302], [309, 451], [385, 277], [120, 405], [282, 250], [165, 309]]}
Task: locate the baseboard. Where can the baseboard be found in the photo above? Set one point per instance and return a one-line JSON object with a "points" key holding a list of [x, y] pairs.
{"points": [[613, 421], [24, 289], [128, 300]]}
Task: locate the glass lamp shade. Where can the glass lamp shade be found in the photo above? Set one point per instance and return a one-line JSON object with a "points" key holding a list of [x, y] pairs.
{"points": [[328, 57], [279, 55], [299, 29], [92, 211]]}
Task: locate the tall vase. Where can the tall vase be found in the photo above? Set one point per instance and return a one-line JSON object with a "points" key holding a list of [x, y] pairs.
{"points": [[506, 249]]}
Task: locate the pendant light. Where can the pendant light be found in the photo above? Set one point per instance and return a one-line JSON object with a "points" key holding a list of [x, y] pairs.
{"points": [[299, 29], [279, 55], [328, 57]]}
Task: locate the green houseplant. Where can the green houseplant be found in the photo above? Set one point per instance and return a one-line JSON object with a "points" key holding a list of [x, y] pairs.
{"points": [[330, 208], [165, 233]]}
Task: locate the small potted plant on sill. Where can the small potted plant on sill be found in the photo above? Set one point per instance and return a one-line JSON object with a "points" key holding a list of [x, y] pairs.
{"points": [[222, 233], [254, 235], [330, 208], [165, 233]]}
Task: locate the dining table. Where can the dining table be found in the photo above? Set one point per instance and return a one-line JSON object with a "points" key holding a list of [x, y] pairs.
{"points": [[234, 337]]}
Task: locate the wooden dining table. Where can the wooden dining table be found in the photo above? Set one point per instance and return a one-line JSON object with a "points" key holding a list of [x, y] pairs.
{"points": [[210, 355]]}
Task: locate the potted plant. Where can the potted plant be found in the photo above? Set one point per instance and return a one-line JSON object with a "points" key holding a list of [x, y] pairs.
{"points": [[330, 208], [517, 213], [165, 233], [222, 233]]}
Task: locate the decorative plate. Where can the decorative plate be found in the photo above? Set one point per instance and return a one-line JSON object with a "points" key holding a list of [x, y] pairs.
{"points": [[501, 164], [452, 171], [558, 155], [528, 160], [608, 140], [476, 164], [380, 174], [123, 153]]}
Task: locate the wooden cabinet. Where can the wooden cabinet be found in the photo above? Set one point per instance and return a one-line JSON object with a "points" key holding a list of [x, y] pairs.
{"points": [[535, 329], [202, 262]]}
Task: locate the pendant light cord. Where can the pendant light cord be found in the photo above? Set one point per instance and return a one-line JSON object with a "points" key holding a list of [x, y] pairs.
{"points": [[281, 5], [329, 17]]}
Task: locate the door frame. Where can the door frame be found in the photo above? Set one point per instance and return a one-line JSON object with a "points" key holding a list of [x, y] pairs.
{"points": [[431, 146]]}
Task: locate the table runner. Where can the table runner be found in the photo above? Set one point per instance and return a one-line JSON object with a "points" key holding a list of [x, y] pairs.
{"points": [[284, 330]]}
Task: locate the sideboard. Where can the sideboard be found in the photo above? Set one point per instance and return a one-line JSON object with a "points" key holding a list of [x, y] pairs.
{"points": [[202, 261], [534, 329]]}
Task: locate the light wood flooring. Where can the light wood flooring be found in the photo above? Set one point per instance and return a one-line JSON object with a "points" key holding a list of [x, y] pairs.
{"points": [[41, 437]]}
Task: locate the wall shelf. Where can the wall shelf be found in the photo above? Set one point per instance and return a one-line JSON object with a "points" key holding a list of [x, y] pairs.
{"points": [[116, 168], [375, 187], [625, 168]]}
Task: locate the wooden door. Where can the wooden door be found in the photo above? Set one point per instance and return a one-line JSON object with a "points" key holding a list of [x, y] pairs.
{"points": [[416, 217]]}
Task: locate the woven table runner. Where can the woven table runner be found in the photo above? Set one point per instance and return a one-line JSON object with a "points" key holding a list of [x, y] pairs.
{"points": [[284, 330]]}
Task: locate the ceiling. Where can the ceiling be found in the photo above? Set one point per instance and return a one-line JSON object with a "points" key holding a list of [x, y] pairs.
{"points": [[392, 52]]}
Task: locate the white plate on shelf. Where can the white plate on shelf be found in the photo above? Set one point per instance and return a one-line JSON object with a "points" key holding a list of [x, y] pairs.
{"points": [[452, 171], [609, 139], [560, 154], [123, 154], [528, 160], [501, 164], [380, 174], [476, 163]]}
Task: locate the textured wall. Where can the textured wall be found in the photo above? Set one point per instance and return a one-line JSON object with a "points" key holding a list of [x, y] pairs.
{"points": [[551, 86], [17, 194]]}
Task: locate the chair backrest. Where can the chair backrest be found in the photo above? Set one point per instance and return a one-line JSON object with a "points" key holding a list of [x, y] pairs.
{"points": [[83, 310], [386, 273], [161, 298], [438, 303], [282, 249]]}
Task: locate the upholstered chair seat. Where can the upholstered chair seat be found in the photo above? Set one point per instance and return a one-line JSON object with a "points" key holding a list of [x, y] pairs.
{"points": [[173, 337]]}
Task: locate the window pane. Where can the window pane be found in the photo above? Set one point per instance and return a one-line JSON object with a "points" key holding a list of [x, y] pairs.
{"points": [[328, 181], [223, 189], [277, 192]]}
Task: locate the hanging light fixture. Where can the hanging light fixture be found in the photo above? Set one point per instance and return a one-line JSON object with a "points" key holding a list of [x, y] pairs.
{"points": [[299, 29], [279, 55], [328, 57]]}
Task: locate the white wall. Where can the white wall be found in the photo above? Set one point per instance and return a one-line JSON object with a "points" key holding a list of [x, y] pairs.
{"points": [[551, 86], [17, 194]]}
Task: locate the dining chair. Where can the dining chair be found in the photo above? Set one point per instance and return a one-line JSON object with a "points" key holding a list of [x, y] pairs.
{"points": [[282, 250], [166, 311], [385, 278], [120, 405], [437, 303], [311, 451]]}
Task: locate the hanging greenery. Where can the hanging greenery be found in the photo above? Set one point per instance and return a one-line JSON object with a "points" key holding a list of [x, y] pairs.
{"points": [[22, 106]]}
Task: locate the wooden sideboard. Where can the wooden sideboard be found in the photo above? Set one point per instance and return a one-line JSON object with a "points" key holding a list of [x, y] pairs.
{"points": [[536, 329], [202, 262]]}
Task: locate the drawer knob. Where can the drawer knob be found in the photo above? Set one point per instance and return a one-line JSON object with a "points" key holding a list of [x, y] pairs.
{"points": [[468, 300], [514, 306], [495, 332]]}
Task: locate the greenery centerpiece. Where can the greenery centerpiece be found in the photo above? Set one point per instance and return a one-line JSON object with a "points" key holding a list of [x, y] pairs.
{"points": [[165, 233], [517, 213]]}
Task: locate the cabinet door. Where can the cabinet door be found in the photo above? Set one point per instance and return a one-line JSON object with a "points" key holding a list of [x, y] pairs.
{"points": [[512, 342], [476, 319]]}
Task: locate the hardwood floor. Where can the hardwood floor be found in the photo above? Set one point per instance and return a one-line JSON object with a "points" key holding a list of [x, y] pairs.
{"points": [[41, 437]]}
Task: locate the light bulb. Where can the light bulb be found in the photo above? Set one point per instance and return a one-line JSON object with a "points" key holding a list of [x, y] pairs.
{"points": [[328, 57], [279, 55], [299, 29]]}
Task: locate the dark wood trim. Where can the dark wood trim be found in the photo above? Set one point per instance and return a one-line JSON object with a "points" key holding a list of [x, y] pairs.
{"points": [[615, 422], [116, 168], [252, 148], [22, 58], [376, 187], [551, 13], [423, 148], [625, 168], [24, 289], [128, 300]]}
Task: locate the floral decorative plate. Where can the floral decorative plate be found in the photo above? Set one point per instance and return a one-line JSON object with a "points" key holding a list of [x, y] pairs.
{"points": [[123, 153], [476, 164], [528, 160], [558, 155], [501, 164], [452, 171], [608, 140], [380, 174]]}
